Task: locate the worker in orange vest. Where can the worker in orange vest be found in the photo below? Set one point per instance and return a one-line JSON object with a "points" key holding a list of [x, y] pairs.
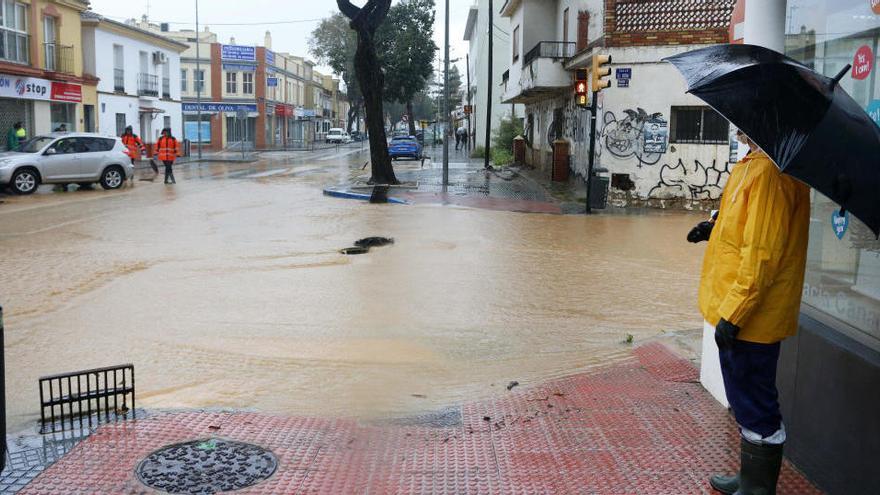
{"points": [[134, 144], [168, 149]]}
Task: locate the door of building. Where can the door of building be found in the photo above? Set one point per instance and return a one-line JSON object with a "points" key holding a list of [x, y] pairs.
{"points": [[89, 118]]}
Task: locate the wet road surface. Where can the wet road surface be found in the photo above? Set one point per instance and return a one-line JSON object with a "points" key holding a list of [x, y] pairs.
{"points": [[228, 290]]}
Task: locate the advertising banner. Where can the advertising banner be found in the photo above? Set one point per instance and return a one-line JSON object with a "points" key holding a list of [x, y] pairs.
{"points": [[28, 88], [237, 52], [219, 107], [239, 67], [66, 92]]}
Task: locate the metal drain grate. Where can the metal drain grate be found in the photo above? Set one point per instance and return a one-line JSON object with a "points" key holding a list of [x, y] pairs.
{"points": [[207, 467]]}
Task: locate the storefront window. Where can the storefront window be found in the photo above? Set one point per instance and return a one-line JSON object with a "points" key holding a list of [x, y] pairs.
{"points": [[843, 267], [63, 117]]}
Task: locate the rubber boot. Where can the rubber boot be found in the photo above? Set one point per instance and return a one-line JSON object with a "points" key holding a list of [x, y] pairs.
{"points": [[728, 485], [760, 469]]}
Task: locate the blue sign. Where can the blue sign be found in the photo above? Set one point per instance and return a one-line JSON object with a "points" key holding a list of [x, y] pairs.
{"points": [[624, 73], [874, 111], [237, 52], [191, 132], [270, 57], [272, 82], [840, 223], [239, 67], [219, 107], [623, 83]]}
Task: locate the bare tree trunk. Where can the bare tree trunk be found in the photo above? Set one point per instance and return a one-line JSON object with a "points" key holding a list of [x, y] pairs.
{"points": [[412, 121], [365, 21], [352, 115]]}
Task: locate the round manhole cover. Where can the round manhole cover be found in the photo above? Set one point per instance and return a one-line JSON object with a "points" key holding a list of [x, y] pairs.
{"points": [[206, 467]]}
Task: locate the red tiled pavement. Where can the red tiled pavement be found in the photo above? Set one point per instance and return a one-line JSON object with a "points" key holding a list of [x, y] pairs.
{"points": [[644, 426]]}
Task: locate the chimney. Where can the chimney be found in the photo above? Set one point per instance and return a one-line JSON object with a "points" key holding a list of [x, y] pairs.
{"points": [[268, 41]]}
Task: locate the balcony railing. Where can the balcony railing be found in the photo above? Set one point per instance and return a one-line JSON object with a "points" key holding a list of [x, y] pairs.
{"points": [[148, 85], [166, 87], [119, 80], [59, 58], [559, 50]]}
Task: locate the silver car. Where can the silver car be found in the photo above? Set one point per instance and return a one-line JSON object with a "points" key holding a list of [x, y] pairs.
{"points": [[66, 158]]}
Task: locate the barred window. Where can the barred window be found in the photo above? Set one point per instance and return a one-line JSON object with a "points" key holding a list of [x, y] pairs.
{"points": [[698, 125], [14, 38]]}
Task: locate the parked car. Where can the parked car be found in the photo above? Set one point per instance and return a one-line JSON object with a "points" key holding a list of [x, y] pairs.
{"points": [[405, 147], [338, 136], [66, 158]]}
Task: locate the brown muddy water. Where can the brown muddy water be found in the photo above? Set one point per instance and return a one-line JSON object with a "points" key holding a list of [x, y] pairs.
{"points": [[232, 293]]}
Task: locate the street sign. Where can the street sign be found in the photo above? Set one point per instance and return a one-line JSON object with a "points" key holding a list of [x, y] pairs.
{"points": [[623, 83], [272, 82], [624, 73]]}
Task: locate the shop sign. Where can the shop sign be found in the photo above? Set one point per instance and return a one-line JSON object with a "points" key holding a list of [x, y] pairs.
{"points": [[270, 57], [66, 92], [284, 111], [239, 68], [863, 62], [28, 88], [840, 223], [874, 111], [656, 135], [219, 107], [272, 82], [236, 52]]}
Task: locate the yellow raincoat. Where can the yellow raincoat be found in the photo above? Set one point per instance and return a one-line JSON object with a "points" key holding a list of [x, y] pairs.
{"points": [[753, 272]]}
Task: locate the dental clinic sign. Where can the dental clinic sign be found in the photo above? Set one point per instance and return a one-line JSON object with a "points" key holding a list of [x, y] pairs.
{"points": [[32, 88]]}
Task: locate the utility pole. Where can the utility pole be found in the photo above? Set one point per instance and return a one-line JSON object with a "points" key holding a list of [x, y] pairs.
{"points": [[488, 146], [446, 104], [198, 84], [592, 158]]}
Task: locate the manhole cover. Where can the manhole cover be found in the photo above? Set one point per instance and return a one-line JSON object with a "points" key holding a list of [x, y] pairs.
{"points": [[206, 467]]}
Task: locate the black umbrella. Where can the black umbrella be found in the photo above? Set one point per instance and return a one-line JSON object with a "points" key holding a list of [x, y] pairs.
{"points": [[805, 122]]}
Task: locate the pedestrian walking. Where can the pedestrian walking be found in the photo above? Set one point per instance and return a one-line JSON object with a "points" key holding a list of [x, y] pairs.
{"points": [[135, 146], [168, 148], [16, 137], [750, 291]]}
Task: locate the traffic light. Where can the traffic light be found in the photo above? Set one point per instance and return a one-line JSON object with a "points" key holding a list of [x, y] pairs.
{"points": [[601, 69], [581, 88]]}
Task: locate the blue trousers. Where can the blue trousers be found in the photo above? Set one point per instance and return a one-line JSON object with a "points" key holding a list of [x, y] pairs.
{"points": [[749, 372]]}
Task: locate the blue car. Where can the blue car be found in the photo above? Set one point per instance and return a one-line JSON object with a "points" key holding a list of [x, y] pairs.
{"points": [[405, 147]]}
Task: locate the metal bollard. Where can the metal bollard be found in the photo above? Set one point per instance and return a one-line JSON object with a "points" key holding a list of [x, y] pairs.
{"points": [[2, 397]]}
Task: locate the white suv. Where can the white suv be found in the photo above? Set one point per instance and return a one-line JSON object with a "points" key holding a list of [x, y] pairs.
{"points": [[66, 158]]}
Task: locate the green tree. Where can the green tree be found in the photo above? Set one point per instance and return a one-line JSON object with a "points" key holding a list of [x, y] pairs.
{"points": [[334, 44], [407, 50]]}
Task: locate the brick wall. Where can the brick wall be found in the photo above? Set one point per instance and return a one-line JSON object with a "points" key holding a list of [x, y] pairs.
{"points": [[651, 32]]}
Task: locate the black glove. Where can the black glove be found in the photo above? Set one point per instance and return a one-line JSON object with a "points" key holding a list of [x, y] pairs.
{"points": [[725, 334], [701, 232]]}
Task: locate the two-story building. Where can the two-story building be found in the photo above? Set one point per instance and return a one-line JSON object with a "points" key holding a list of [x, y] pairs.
{"points": [[476, 33], [662, 146], [41, 67], [139, 77]]}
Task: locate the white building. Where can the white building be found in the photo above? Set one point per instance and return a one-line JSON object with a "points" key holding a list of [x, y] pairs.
{"points": [[661, 146], [139, 74], [476, 34]]}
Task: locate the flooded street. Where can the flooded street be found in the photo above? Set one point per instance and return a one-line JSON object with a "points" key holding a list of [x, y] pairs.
{"points": [[228, 290]]}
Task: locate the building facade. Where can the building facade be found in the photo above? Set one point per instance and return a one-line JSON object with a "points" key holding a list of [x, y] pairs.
{"points": [[662, 147], [138, 73], [42, 84], [477, 92]]}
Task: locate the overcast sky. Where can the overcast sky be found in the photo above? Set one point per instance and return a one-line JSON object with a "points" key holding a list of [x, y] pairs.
{"points": [[293, 20]]}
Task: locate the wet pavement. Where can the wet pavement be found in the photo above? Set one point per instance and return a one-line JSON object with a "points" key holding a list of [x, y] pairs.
{"points": [[640, 426], [228, 290]]}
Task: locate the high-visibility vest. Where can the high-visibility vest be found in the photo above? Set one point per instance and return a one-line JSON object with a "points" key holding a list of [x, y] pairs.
{"points": [[133, 143], [166, 149]]}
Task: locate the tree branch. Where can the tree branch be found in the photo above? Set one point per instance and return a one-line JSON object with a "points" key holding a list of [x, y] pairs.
{"points": [[378, 13], [348, 9]]}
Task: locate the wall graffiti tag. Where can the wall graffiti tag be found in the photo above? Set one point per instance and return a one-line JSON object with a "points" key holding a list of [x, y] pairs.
{"points": [[625, 138], [696, 180]]}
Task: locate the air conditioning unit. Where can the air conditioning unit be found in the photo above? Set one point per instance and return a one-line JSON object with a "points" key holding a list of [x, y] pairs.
{"points": [[159, 58]]}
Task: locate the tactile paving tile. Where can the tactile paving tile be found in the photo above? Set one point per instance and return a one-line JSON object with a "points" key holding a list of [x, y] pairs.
{"points": [[629, 428]]}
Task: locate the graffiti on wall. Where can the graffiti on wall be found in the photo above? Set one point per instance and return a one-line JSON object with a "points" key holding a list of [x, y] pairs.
{"points": [[569, 121], [692, 179], [638, 135]]}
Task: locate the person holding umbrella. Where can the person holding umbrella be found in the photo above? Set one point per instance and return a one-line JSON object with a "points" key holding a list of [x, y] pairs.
{"points": [[802, 130]]}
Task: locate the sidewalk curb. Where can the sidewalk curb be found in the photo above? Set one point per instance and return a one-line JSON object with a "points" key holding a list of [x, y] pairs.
{"points": [[359, 196]]}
